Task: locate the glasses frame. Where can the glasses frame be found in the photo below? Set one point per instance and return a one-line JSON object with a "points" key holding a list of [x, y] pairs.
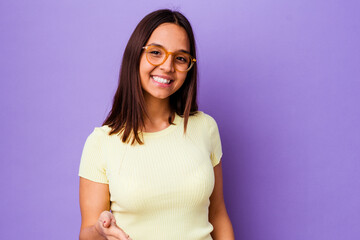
{"points": [[192, 59]]}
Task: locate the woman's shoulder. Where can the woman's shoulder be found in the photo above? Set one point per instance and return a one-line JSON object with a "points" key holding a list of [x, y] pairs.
{"points": [[202, 120], [203, 117], [100, 132]]}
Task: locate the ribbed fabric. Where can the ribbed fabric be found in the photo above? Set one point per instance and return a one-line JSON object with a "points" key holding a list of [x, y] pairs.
{"points": [[161, 189]]}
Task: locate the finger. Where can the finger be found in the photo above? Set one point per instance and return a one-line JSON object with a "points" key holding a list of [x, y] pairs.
{"points": [[112, 238], [113, 220], [125, 236], [118, 232], [105, 219], [106, 215], [106, 223]]}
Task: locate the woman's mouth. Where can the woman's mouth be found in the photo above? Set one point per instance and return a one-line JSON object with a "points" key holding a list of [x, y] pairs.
{"points": [[164, 82]]}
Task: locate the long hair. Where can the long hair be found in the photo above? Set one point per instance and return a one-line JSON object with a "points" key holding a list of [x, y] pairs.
{"points": [[128, 110]]}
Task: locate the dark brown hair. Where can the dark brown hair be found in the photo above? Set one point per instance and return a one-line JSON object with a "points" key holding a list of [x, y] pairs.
{"points": [[128, 110]]}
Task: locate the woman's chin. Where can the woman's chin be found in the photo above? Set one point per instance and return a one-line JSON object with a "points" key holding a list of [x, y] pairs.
{"points": [[156, 96]]}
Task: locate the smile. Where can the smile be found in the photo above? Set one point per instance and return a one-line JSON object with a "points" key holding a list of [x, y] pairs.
{"points": [[161, 80]]}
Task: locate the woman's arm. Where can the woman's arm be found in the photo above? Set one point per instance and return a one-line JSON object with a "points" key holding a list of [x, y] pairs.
{"points": [[97, 223], [218, 216], [94, 199]]}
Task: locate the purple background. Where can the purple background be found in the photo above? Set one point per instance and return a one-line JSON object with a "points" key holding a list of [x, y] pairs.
{"points": [[282, 79]]}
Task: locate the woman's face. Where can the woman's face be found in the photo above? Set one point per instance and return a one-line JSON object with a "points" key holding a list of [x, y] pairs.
{"points": [[155, 79]]}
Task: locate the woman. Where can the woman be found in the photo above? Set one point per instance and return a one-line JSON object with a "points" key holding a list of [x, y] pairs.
{"points": [[155, 162]]}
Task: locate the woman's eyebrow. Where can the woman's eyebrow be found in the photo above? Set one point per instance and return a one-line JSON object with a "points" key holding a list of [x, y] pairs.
{"points": [[184, 51], [159, 45]]}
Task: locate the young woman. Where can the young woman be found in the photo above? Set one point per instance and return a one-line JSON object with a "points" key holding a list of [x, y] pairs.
{"points": [[153, 170]]}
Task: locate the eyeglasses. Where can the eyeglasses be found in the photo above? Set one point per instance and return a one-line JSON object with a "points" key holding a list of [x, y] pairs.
{"points": [[157, 55]]}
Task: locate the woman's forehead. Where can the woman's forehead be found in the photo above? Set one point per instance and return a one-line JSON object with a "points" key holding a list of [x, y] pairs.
{"points": [[171, 36]]}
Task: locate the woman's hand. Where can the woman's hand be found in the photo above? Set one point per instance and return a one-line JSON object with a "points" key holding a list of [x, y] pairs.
{"points": [[106, 227]]}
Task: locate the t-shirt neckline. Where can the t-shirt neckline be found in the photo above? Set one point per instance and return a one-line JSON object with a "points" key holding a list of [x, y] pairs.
{"points": [[176, 123]]}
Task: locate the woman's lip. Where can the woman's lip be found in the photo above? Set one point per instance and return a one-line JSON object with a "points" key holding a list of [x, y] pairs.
{"points": [[164, 85], [163, 76]]}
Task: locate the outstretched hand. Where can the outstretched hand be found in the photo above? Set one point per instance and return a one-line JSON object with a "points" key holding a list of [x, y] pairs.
{"points": [[107, 227]]}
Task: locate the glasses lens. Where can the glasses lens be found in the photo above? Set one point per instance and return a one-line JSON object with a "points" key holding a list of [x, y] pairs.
{"points": [[182, 61], [155, 55]]}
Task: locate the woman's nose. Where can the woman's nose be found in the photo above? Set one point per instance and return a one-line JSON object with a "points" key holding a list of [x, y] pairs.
{"points": [[168, 65]]}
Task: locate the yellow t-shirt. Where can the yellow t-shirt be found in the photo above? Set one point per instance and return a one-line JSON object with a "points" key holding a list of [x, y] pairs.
{"points": [[161, 189]]}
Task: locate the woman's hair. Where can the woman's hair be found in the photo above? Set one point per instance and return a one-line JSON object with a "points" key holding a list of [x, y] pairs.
{"points": [[128, 110]]}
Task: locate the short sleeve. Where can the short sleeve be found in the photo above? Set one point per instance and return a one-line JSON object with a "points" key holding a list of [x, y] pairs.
{"points": [[215, 142], [92, 164]]}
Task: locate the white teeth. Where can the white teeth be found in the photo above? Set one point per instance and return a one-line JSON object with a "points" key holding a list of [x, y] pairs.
{"points": [[161, 80]]}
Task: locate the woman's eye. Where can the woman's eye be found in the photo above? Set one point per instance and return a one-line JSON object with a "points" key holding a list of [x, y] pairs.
{"points": [[155, 52], [181, 59]]}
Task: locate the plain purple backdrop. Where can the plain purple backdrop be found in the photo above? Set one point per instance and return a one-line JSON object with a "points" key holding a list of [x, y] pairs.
{"points": [[281, 78]]}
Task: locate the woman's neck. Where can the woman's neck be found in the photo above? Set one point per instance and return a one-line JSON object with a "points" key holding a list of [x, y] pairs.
{"points": [[158, 111]]}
